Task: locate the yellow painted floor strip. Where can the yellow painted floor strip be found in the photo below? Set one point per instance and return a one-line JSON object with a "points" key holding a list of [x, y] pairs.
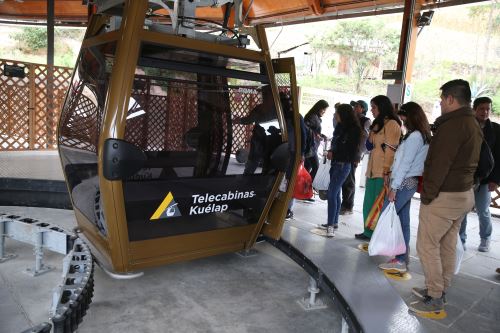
{"points": [[433, 315], [363, 247], [398, 276]]}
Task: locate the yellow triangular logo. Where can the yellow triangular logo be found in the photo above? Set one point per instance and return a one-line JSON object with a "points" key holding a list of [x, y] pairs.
{"points": [[168, 208]]}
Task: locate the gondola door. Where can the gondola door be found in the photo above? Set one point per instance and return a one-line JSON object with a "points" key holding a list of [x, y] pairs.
{"points": [[284, 70]]}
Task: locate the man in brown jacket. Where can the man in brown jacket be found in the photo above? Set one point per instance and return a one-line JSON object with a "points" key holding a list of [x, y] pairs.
{"points": [[447, 194]]}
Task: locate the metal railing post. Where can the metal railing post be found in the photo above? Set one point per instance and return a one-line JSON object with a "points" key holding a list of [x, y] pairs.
{"points": [[3, 255], [39, 268]]}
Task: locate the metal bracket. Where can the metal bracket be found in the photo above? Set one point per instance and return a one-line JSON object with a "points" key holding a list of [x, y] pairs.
{"points": [[40, 268], [345, 326], [40, 234], [247, 253], [312, 302], [119, 276], [3, 255]]}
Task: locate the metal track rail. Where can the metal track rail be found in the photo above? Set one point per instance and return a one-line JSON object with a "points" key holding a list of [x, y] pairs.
{"points": [[321, 279], [73, 296]]}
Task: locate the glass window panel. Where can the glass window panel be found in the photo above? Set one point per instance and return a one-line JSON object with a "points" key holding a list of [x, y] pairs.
{"points": [[80, 126]]}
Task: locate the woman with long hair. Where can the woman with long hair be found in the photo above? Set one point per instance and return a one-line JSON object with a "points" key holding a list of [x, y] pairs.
{"points": [[384, 136], [312, 120], [343, 152], [408, 166]]}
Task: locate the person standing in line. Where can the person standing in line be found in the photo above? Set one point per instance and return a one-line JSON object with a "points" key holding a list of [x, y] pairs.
{"points": [[408, 165], [349, 186], [447, 193], [286, 103], [384, 136], [343, 152], [482, 195], [313, 122]]}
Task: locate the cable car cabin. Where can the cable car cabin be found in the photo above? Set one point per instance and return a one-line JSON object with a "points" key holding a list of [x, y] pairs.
{"points": [[174, 147]]}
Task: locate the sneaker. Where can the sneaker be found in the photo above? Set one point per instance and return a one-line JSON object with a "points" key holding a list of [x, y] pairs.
{"points": [[484, 246], [329, 232], [427, 305], [361, 236], [393, 265], [289, 215], [323, 195], [323, 226], [422, 293], [345, 211]]}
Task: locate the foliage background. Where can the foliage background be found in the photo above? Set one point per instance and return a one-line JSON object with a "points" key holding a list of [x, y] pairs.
{"points": [[461, 42]]}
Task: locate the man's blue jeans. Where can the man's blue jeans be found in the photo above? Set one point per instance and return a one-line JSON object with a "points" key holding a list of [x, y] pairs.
{"points": [[402, 204], [482, 198], [338, 174]]}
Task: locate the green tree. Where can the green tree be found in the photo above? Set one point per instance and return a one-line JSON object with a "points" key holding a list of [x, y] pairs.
{"points": [[32, 38], [366, 43], [320, 52], [490, 14]]}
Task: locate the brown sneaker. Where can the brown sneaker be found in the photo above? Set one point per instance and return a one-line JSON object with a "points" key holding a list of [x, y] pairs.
{"points": [[422, 293], [345, 211], [427, 305]]}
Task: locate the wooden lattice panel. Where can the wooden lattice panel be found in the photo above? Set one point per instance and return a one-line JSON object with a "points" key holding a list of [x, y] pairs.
{"points": [[182, 101], [283, 82], [167, 113], [14, 110], [48, 108], [241, 103], [28, 115], [79, 126]]}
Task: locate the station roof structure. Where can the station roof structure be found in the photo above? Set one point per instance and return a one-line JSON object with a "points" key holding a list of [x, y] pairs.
{"points": [[267, 12]]}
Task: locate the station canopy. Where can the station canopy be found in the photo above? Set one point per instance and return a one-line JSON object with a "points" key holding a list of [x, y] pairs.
{"points": [[267, 12]]}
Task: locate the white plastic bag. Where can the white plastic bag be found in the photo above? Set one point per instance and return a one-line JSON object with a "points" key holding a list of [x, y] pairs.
{"points": [[283, 185], [322, 179], [459, 255], [387, 239]]}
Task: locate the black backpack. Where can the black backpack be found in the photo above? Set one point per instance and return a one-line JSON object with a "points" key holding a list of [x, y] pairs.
{"points": [[485, 164]]}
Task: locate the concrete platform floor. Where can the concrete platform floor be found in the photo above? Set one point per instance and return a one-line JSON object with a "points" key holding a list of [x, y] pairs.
{"points": [[225, 293], [31, 164], [474, 297], [228, 293]]}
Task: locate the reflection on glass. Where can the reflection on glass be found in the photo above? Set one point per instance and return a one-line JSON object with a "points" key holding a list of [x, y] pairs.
{"points": [[208, 126], [79, 129]]}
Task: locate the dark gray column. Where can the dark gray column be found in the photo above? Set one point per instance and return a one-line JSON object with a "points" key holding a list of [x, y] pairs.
{"points": [[50, 115]]}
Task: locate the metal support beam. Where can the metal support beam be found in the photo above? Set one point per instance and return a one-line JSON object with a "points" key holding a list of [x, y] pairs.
{"points": [[50, 32], [316, 7], [50, 115], [407, 44], [40, 268]]}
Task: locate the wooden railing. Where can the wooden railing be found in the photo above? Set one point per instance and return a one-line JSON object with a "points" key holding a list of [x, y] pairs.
{"points": [[30, 106]]}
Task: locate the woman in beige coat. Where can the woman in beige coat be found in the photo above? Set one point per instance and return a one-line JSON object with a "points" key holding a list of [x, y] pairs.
{"points": [[385, 133]]}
